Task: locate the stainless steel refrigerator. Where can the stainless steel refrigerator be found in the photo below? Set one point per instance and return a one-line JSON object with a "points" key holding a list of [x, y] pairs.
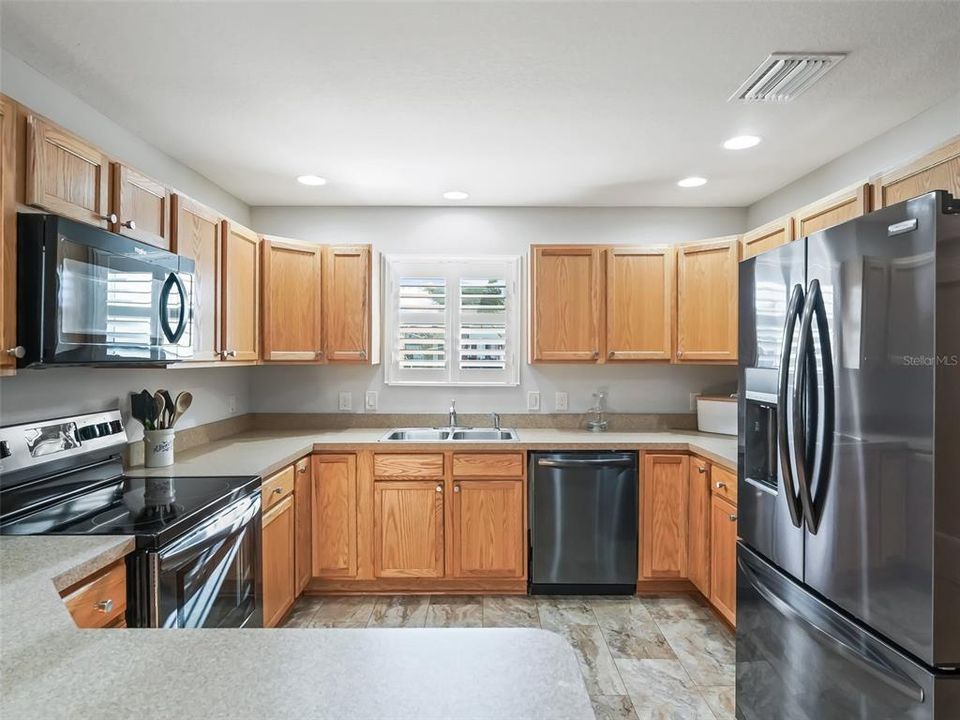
{"points": [[848, 563]]}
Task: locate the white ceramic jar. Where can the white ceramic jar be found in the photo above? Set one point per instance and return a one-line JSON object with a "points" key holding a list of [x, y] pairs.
{"points": [[158, 448]]}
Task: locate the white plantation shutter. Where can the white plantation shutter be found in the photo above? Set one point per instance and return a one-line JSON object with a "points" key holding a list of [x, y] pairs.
{"points": [[452, 321]]}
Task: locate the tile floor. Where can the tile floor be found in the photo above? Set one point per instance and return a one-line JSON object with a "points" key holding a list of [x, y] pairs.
{"points": [[642, 658]]}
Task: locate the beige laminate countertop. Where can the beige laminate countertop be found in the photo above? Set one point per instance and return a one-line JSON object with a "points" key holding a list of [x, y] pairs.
{"points": [[51, 669], [262, 452]]}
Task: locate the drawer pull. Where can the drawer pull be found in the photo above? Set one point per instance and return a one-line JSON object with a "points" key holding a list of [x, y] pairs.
{"points": [[721, 485], [701, 469], [278, 490], [733, 518], [104, 606]]}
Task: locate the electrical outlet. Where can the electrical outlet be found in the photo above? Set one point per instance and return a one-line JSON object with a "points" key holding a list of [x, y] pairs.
{"points": [[346, 401], [370, 400], [560, 401], [533, 400], [232, 402]]}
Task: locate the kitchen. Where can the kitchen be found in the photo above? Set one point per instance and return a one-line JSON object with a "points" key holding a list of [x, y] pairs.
{"points": [[461, 337]]}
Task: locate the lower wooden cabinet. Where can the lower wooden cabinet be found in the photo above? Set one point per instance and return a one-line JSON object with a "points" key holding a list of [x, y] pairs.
{"points": [[334, 516], [279, 581], [99, 600], [488, 528], [408, 526], [723, 557], [698, 525], [663, 516]]}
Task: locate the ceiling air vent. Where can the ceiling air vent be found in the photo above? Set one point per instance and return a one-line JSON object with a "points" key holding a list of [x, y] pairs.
{"points": [[784, 76]]}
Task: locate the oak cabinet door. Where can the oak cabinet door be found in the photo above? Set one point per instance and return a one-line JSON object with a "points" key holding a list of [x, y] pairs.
{"points": [[196, 234], [291, 297], [723, 557], [408, 528], [698, 525], [566, 303], [334, 516], [241, 292], [303, 506], [279, 581], [8, 234], [488, 529], [640, 303], [65, 174], [773, 234], [938, 170], [663, 516], [707, 300], [832, 210], [347, 303], [142, 207]]}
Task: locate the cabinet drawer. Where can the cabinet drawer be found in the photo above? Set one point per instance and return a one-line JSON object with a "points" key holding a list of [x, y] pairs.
{"points": [[276, 487], [724, 483], [101, 599], [493, 465], [407, 465]]}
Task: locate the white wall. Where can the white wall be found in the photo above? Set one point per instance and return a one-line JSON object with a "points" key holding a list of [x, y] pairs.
{"points": [[37, 92], [915, 137], [471, 231], [56, 392]]}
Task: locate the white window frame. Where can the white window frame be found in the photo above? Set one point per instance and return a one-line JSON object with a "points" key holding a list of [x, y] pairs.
{"points": [[453, 269]]}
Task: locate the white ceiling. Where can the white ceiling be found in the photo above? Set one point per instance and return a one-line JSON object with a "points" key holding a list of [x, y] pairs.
{"points": [[583, 103]]}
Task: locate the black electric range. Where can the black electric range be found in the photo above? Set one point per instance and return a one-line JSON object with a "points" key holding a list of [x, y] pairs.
{"points": [[197, 558]]}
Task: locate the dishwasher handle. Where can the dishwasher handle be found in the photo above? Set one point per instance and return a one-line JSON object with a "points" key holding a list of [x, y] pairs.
{"points": [[624, 461]]}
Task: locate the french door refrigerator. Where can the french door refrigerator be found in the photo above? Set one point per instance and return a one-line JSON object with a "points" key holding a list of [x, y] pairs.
{"points": [[848, 563]]}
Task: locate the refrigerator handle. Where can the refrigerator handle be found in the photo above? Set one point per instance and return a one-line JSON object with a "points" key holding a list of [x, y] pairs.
{"points": [[823, 420], [872, 663], [783, 438]]}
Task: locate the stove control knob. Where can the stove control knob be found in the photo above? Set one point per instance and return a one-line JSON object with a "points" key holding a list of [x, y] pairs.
{"points": [[89, 432], [4, 449], [104, 429], [115, 427]]}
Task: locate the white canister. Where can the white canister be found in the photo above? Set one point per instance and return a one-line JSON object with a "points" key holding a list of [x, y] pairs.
{"points": [[158, 448]]}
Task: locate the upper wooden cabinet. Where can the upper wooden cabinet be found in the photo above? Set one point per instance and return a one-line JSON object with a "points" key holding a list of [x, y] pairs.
{"points": [[291, 300], [707, 301], [240, 320], [834, 209], [938, 170], [8, 235], [488, 529], [566, 303], [334, 503], [773, 234], [640, 303], [351, 304], [663, 516], [196, 234], [408, 529], [65, 174], [142, 206]]}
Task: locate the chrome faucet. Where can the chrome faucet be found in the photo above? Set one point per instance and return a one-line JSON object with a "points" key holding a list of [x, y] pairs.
{"points": [[452, 418], [496, 420]]}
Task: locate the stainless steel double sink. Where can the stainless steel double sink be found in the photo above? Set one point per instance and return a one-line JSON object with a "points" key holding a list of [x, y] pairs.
{"points": [[450, 435]]}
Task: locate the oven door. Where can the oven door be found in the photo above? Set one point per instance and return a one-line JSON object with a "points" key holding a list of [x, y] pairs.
{"points": [[209, 577], [104, 298]]}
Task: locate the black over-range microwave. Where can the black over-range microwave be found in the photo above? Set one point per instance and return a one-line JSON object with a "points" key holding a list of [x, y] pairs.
{"points": [[86, 296]]}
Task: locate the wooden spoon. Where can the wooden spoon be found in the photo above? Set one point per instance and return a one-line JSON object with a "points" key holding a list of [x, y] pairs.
{"points": [[159, 404], [181, 405]]}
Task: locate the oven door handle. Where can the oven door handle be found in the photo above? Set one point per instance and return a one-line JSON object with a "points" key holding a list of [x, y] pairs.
{"points": [[215, 530], [173, 281]]}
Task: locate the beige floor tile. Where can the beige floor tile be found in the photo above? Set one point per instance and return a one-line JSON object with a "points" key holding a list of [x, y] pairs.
{"points": [[613, 707], [722, 700], [557, 611], [596, 663], [629, 630], [455, 611], [676, 607], [400, 611], [343, 612], [661, 689], [705, 648], [301, 615], [510, 611]]}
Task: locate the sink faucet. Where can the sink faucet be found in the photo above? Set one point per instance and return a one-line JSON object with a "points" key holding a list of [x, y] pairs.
{"points": [[496, 420], [452, 418]]}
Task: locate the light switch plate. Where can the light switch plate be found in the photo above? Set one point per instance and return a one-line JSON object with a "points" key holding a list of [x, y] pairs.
{"points": [[346, 401], [533, 400], [232, 402], [560, 401], [370, 400]]}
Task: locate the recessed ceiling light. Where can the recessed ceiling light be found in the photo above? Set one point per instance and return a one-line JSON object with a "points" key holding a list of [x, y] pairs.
{"points": [[455, 195], [689, 182], [311, 180], [742, 142]]}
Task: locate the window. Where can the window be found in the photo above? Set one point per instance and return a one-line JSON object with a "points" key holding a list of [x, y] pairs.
{"points": [[452, 321]]}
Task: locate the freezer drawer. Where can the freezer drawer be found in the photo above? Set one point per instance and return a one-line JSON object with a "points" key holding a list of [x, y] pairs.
{"points": [[798, 659]]}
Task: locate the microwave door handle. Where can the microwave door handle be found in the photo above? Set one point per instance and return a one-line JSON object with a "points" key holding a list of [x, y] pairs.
{"points": [[783, 437], [173, 281]]}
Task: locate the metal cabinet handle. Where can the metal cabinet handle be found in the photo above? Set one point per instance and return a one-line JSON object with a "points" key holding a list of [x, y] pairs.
{"points": [[18, 352], [702, 469], [596, 354], [231, 353], [104, 606], [319, 353], [439, 488], [363, 354], [302, 470], [611, 354], [679, 353], [130, 224], [456, 488], [277, 491], [720, 485], [733, 518], [111, 218]]}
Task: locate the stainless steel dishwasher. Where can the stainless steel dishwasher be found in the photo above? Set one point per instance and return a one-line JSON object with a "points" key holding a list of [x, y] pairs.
{"points": [[583, 522]]}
